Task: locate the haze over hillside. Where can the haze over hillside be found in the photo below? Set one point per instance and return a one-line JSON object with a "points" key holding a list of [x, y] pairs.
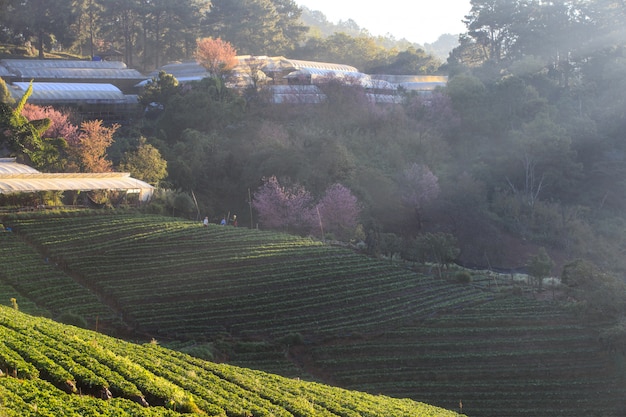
{"points": [[320, 25]]}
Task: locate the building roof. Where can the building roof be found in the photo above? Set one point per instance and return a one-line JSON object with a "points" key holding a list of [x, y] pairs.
{"points": [[16, 178], [69, 71], [413, 82], [17, 64], [47, 93], [295, 94]]}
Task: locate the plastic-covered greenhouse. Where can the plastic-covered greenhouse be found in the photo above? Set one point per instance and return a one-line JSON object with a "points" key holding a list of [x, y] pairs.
{"points": [[57, 70], [20, 178], [90, 100]]}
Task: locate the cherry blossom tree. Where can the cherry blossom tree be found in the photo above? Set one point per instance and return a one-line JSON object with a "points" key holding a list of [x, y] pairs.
{"points": [[281, 207], [338, 211], [94, 140], [60, 124]]}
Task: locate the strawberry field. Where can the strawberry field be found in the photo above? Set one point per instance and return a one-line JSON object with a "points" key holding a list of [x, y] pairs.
{"points": [[50, 369], [295, 306]]}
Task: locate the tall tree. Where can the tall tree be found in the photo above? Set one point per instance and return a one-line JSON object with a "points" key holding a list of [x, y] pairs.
{"points": [[491, 24], [338, 211], [48, 22], [94, 140], [217, 56], [145, 163], [419, 186], [288, 208], [121, 24], [256, 27]]}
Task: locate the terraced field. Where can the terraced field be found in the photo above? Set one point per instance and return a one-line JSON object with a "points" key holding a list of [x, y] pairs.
{"points": [[177, 279], [60, 370], [295, 306], [508, 357]]}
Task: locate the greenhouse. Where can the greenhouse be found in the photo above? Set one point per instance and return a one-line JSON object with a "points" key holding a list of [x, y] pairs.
{"points": [[20, 178], [93, 101], [68, 71]]}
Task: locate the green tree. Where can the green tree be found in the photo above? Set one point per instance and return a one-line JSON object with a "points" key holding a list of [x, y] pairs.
{"points": [[440, 248], [491, 24], [539, 267], [121, 25], [361, 52], [206, 106], [597, 292], [249, 25], [48, 22], [540, 158], [170, 29], [145, 163], [159, 90], [410, 61]]}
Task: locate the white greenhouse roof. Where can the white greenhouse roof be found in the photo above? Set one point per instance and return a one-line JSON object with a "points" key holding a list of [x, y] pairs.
{"points": [[295, 94], [16, 178], [300, 64], [59, 63], [70, 92], [78, 73], [9, 166]]}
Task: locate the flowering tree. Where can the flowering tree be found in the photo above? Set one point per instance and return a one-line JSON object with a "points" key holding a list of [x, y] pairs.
{"points": [[93, 141], [216, 55], [60, 125], [23, 137], [283, 208], [338, 211], [420, 187]]}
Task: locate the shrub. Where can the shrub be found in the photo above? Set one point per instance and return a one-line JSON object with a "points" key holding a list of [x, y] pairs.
{"points": [[292, 339], [73, 319], [463, 277]]}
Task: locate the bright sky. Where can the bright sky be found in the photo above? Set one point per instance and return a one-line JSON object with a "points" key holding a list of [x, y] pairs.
{"points": [[421, 21]]}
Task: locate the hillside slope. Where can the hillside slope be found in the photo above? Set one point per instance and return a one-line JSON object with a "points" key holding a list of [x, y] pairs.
{"points": [[300, 308], [63, 370]]}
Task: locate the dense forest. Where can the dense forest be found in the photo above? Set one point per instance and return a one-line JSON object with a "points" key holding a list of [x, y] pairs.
{"points": [[522, 150], [150, 33]]}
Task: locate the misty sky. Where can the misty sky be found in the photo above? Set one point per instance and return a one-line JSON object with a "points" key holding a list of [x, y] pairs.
{"points": [[417, 21]]}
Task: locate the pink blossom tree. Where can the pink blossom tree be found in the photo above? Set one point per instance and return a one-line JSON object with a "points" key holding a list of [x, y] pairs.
{"points": [[420, 186], [60, 124], [338, 211], [287, 208]]}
